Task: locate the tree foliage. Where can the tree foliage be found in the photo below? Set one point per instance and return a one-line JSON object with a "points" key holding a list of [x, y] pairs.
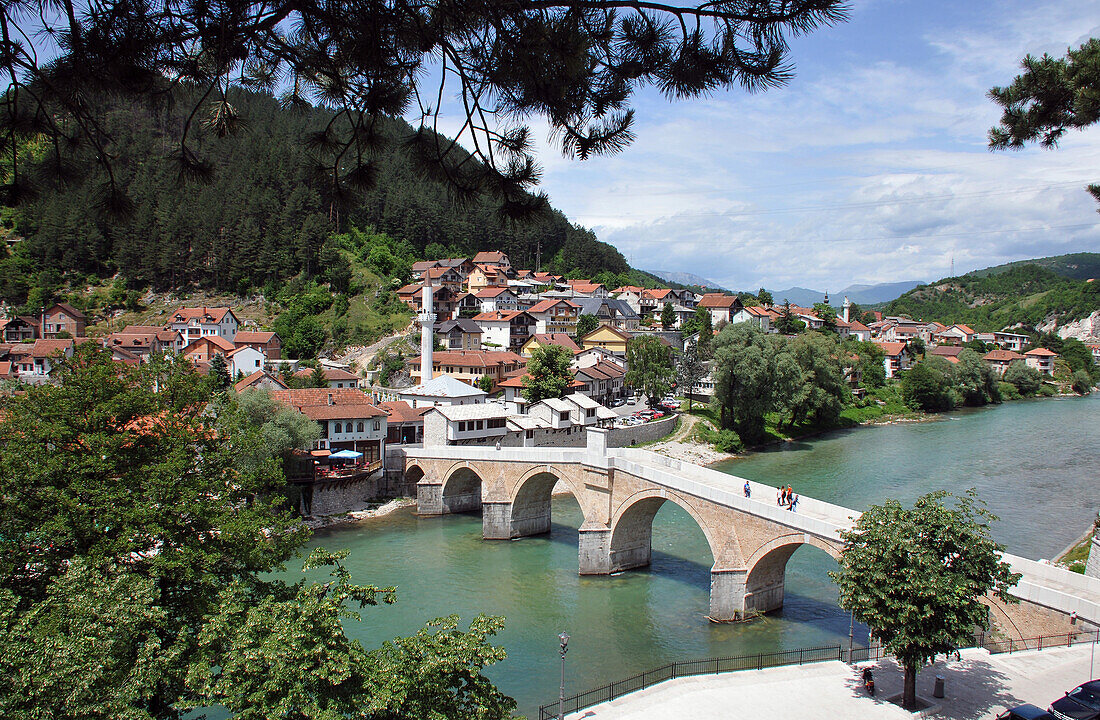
{"points": [[927, 386], [690, 369], [668, 316], [650, 367], [916, 576], [823, 391], [754, 373], [548, 373], [574, 65], [975, 380], [139, 540], [1025, 379], [1051, 96], [586, 323]]}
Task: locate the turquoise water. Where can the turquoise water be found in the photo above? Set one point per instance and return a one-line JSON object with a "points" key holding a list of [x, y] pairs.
{"points": [[1035, 463]]}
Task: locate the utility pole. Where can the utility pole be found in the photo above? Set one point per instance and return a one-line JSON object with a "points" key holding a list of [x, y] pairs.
{"points": [[561, 690], [538, 257]]}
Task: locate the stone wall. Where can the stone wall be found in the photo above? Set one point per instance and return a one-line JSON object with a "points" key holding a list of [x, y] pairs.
{"points": [[1092, 567], [627, 436], [341, 496]]}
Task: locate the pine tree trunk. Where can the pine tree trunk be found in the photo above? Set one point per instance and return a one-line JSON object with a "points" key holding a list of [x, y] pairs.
{"points": [[909, 695]]}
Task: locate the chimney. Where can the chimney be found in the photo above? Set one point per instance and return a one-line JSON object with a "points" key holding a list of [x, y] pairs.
{"points": [[330, 400]]}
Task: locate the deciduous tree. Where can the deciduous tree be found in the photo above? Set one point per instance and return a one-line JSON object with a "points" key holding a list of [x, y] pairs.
{"points": [[689, 370], [586, 323], [650, 367], [916, 576], [548, 373], [668, 316], [754, 373]]}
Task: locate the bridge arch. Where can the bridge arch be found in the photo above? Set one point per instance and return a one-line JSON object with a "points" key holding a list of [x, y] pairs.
{"points": [[462, 486], [767, 570], [631, 542]]}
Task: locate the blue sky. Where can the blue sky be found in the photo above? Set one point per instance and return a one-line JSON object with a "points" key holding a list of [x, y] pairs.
{"points": [[870, 166]]}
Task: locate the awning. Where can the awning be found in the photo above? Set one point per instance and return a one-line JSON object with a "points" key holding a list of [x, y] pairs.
{"points": [[345, 455], [320, 453]]}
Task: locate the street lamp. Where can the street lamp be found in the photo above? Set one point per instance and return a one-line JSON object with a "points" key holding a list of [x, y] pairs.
{"points": [[564, 638]]}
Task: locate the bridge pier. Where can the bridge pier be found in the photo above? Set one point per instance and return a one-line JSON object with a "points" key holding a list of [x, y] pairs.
{"points": [[429, 498], [432, 500], [594, 551]]}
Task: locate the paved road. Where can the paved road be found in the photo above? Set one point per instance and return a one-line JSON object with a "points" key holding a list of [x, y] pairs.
{"points": [[978, 687]]}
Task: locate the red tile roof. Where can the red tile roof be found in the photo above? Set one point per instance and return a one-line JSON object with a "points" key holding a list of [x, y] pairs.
{"points": [[1041, 352], [491, 292], [400, 411], [497, 316], [891, 349], [544, 305], [330, 374], [262, 338], [472, 358], [254, 378], [718, 300], [561, 339], [1001, 355], [215, 340], [216, 313], [329, 403], [490, 256]]}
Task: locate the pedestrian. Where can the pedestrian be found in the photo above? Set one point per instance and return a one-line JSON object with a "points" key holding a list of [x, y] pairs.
{"points": [[748, 490], [779, 496], [794, 502]]}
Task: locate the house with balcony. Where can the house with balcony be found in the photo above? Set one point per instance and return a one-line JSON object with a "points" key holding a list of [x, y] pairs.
{"points": [[497, 298], [1041, 359], [62, 317], [721, 307], [195, 323], [495, 259], [896, 357], [269, 343], [486, 276], [508, 330], [347, 418], [469, 366], [144, 340], [1011, 341], [999, 359], [21, 329], [459, 334], [555, 315], [34, 363]]}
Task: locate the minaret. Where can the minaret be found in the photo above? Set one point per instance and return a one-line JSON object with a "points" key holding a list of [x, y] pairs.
{"points": [[847, 305], [427, 325]]}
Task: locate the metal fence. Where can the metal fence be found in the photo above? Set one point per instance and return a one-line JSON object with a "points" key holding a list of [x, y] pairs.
{"points": [[713, 666], [688, 668]]}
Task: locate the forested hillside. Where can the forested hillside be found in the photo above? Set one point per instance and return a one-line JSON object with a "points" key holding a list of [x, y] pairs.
{"points": [[1080, 266], [258, 218], [1026, 294]]}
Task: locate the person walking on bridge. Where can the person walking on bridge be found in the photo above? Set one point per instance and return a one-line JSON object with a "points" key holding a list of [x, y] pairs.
{"points": [[748, 490]]}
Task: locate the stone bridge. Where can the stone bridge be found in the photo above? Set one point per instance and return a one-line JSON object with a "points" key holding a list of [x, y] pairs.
{"points": [[620, 490]]}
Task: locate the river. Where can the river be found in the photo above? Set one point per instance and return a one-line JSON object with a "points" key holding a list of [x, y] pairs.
{"points": [[1036, 463]]}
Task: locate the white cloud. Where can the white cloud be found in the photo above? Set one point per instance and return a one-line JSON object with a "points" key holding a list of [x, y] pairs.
{"points": [[865, 169]]}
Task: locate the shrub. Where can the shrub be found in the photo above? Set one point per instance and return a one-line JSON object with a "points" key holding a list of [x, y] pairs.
{"points": [[728, 441], [1008, 391], [1082, 383], [1047, 390]]}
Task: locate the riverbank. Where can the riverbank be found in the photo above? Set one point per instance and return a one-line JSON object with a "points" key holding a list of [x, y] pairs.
{"points": [[365, 511]]}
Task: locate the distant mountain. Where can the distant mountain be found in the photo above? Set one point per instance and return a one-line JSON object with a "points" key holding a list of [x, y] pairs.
{"points": [[859, 294], [686, 279], [1079, 266]]}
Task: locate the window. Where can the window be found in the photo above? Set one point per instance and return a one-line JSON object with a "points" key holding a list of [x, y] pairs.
{"points": [[480, 424], [590, 412], [377, 424], [338, 428], [563, 416], [462, 427], [359, 428]]}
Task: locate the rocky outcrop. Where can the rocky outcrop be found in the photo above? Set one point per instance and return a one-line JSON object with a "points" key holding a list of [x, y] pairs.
{"points": [[1086, 329]]}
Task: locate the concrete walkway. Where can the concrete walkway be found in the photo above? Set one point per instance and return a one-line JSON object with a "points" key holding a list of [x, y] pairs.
{"points": [[978, 687]]}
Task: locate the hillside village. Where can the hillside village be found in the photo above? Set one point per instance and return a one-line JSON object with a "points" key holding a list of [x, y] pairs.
{"points": [[486, 320]]}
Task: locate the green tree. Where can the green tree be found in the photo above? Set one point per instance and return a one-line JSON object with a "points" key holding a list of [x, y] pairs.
{"points": [[138, 561], [706, 333], [689, 370], [1051, 96], [928, 388], [317, 378], [827, 313], [1026, 379], [1082, 382], [975, 380], [764, 297], [548, 373], [668, 316], [823, 392], [754, 373], [916, 346], [574, 64], [917, 576], [220, 379], [650, 367], [787, 323], [485, 383], [872, 371], [586, 323]]}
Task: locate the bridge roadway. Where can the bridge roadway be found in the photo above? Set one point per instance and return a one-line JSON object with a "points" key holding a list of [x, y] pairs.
{"points": [[619, 491]]}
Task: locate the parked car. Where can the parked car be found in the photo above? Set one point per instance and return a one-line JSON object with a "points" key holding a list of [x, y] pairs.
{"points": [[618, 402], [1025, 712], [631, 401], [1080, 703]]}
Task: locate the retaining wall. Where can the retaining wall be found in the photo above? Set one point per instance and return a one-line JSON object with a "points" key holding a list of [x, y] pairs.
{"points": [[627, 436]]}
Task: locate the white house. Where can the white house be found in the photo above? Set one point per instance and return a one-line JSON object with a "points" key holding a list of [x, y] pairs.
{"points": [[1011, 341], [245, 360], [497, 298], [442, 390], [346, 416], [1041, 359], [756, 315], [465, 424], [897, 357], [195, 323]]}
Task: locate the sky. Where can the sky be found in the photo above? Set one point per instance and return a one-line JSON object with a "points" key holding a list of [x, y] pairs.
{"points": [[870, 166]]}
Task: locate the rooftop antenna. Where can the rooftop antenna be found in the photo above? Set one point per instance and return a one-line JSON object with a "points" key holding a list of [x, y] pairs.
{"points": [[952, 265]]}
